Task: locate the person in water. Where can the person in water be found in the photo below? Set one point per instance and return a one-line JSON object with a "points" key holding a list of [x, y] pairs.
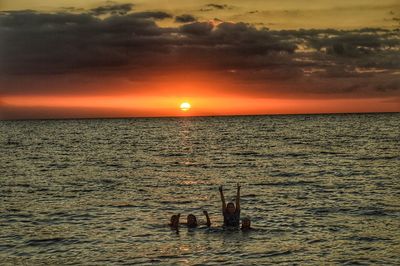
{"points": [[231, 212], [246, 224], [174, 222], [191, 221]]}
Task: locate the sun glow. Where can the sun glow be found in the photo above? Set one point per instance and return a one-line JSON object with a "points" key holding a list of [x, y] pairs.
{"points": [[185, 106]]}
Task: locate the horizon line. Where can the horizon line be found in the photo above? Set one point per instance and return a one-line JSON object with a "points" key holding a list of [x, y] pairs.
{"points": [[196, 116]]}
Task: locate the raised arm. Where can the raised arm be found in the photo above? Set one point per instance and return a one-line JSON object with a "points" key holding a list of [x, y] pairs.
{"points": [[222, 198], [238, 197], [208, 218]]}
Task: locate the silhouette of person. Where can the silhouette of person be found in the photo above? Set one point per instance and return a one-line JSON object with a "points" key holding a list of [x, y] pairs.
{"points": [[191, 221], [231, 212]]}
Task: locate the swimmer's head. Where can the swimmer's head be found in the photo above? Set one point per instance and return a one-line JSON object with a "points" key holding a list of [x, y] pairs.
{"points": [[246, 223], [191, 220], [230, 208], [174, 220]]}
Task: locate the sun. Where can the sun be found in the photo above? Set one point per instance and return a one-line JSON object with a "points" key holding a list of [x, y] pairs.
{"points": [[185, 106]]}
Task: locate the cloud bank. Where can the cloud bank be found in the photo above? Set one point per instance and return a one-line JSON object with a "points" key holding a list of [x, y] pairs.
{"points": [[117, 41]]}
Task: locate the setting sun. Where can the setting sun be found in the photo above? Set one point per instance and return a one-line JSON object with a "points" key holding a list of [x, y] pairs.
{"points": [[185, 106]]}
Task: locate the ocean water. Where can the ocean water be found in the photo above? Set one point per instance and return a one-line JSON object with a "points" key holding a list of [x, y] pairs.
{"points": [[318, 189]]}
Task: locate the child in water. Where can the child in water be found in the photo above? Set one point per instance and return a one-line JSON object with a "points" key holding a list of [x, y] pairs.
{"points": [[231, 212], [191, 221], [174, 222], [246, 224]]}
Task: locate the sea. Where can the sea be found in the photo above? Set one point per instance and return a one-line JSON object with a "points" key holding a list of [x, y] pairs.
{"points": [[319, 190]]}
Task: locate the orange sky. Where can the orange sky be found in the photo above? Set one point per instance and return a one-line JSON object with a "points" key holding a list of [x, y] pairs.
{"points": [[122, 58], [61, 107], [207, 92], [207, 97]]}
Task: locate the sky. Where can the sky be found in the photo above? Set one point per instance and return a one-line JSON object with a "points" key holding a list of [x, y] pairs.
{"points": [[72, 59]]}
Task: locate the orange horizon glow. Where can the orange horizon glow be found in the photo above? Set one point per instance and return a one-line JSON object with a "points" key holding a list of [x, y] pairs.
{"points": [[212, 95], [205, 106]]}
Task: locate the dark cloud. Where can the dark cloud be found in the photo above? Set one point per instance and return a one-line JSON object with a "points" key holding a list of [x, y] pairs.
{"points": [[210, 7], [60, 43], [112, 9], [389, 85], [152, 14], [30, 20], [217, 6], [197, 28], [15, 112], [72, 9], [37, 45], [354, 44], [185, 18]]}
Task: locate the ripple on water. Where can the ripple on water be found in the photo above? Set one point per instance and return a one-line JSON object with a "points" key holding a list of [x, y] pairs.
{"points": [[319, 190]]}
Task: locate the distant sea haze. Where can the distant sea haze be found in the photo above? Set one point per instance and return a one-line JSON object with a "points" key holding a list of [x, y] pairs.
{"points": [[319, 189]]}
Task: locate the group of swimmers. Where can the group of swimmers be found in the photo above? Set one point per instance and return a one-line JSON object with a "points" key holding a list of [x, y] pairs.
{"points": [[230, 212]]}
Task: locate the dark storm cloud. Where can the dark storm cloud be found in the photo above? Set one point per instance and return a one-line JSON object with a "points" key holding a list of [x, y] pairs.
{"points": [[325, 61], [113, 9], [185, 18]]}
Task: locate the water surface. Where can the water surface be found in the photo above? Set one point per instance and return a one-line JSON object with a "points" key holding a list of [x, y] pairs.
{"points": [[318, 189]]}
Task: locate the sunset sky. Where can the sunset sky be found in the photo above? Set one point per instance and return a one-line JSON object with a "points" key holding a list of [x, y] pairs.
{"points": [[70, 58]]}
